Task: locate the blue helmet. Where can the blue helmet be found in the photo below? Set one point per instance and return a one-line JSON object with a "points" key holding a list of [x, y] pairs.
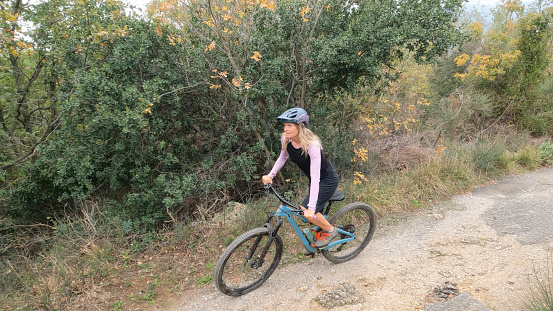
{"points": [[294, 115]]}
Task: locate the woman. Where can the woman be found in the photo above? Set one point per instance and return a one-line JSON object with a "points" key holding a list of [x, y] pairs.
{"points": [[304, 148]]}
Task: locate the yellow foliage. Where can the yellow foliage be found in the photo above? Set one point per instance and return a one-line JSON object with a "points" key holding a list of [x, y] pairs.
{"points": [[268, 4], [513, 6], [359, 178], [210, 46], [256, 56], [237, 81], [387, 116], [488, 67], [11, 17], [462, 59], [477, 28], [441, 148], [209, 22], [361, 153], [14, 52], [158, 30], [303, 12], [423, 101]]}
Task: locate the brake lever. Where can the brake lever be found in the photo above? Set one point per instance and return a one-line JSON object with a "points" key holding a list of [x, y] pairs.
{"points": [[302, 213], [267, 187]]}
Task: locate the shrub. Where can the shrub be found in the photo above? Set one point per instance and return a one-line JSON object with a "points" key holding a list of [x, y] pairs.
{"points": [[545, 151], [487, 155], [530, 158]]}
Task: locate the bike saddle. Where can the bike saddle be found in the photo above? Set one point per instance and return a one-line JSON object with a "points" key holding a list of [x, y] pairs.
{"points": [[337, 196]]}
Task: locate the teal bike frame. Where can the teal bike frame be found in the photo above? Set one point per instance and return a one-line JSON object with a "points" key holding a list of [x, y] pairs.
{"points": [[287, 210]]}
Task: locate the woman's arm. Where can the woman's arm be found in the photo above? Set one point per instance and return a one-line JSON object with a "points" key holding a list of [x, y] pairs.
{"points": [[315, 172], [281, 159]]}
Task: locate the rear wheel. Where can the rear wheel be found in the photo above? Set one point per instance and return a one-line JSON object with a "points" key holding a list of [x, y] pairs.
{"points": [[357, 218], [241, 269]]}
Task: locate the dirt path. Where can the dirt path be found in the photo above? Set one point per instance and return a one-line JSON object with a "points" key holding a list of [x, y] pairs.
{"points": [[488, 242]]}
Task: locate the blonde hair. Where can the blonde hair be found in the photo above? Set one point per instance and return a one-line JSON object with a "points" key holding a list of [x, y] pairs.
{"points": [[307, 138]]}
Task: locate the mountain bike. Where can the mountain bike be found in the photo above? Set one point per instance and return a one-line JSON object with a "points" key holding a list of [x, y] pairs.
{"points": [[251, 259]]}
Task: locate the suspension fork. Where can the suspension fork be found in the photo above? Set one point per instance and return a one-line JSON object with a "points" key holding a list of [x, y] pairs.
{"points": [[272, 234]]}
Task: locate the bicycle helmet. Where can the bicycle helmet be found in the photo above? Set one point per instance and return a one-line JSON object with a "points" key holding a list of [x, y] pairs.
{"points": [[294, 115]]}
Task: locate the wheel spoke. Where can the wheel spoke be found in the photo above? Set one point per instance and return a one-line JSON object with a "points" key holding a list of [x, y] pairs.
{"points": [[236, 274], [356, 218]]}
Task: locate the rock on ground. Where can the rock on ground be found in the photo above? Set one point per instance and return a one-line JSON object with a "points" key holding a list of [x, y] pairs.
{"points": [[463, 302]]}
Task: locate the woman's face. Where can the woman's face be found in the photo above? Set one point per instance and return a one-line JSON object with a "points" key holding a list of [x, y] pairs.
{"points": [[291, 130]]}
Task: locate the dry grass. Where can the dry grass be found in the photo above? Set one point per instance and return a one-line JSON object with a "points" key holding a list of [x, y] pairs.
{"points": [[88, 262], [401, 152]]}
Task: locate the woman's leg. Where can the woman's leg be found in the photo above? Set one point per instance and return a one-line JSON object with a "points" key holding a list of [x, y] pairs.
{"points": [[327, 186], [319, 221]]}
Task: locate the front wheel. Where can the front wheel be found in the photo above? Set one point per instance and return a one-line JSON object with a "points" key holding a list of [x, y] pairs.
{"points": [[248, 262], [357, 218]]}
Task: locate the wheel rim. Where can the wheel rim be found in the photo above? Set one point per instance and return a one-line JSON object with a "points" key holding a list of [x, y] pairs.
{"points": [[358, 221], [239, 273]]}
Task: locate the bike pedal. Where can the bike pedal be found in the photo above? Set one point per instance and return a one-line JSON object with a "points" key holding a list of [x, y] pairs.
{"points": [[309, 254]]}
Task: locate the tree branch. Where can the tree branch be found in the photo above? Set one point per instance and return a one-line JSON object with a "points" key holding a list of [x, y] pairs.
{"points": [[51, 128]]}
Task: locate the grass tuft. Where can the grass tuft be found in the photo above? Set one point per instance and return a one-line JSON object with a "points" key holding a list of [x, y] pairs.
{"points": [[487, 156], [540, 295]]}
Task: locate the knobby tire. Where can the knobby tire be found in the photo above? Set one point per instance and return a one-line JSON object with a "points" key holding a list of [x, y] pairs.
{"points": [[358, 217], [234, 274]]}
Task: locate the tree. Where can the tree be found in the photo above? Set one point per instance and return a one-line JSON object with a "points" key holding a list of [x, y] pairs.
{"points": [[164, 116], [28, 103], [512, 63]]}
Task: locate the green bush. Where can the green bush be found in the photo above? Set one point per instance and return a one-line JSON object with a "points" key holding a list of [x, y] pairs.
{"points": [[530, 158], [545, 151], [162, 124], [487, 155]]}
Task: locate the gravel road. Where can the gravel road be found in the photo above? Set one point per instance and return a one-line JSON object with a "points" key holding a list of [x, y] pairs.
{"points": [[489, 243]]}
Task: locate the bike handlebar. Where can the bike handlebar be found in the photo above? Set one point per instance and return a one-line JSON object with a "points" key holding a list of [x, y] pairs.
{"points": [[269, 187]]}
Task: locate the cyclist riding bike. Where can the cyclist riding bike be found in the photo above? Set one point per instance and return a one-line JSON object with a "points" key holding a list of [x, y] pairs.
{"points": [[304, 148]]}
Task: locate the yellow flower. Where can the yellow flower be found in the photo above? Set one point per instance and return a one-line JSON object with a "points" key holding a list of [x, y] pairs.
{"points": [[210, 47], [358, 178], [476, 27], [237, 81], [256, 56], [304, 11], [462, 59], [271, 4]]}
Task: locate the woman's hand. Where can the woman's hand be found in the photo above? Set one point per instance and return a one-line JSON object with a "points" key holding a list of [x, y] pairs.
{"points": [[307, 213], [266, 179]]}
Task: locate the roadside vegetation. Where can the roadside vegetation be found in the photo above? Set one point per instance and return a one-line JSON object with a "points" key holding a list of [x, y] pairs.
{"points": [[132, 147], [540, 295]]}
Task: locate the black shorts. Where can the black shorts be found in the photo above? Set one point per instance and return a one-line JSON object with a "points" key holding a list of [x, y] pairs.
{"points": [[327, 186]]}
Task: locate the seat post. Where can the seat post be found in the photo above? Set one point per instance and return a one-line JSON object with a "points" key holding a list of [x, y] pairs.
{"points": [[327, 209]]}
